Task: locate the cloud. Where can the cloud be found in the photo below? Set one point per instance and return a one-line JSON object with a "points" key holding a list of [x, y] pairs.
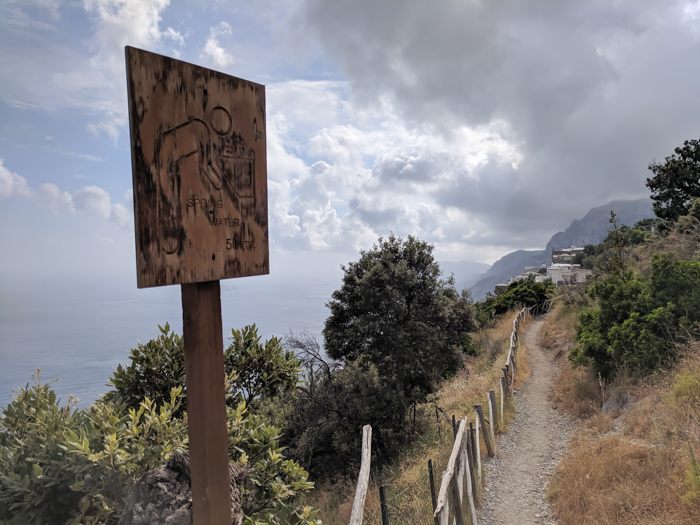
{"points": [[510, 118], [97, 201], [11, 184], [213, 52], [54, 201]]}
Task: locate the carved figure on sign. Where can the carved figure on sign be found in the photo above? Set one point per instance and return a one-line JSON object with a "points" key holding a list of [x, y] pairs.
{"points": [[199, 168], [222, 161]]}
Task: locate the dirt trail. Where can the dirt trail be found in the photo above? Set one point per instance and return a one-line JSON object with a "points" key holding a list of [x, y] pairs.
{"points": [[516, 481]]}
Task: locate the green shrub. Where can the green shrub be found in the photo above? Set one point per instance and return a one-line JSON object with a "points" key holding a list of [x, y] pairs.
{"points": [[62, 465], [154, 370], [637, 323], [522, 293]]}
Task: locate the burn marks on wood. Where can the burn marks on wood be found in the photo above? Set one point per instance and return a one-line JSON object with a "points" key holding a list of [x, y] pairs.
{"points": [[199, 169]]}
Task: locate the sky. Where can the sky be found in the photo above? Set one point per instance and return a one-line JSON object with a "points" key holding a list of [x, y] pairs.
{"points": [[479, 126]]}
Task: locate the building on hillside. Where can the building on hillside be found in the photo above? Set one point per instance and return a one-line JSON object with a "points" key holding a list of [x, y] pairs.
{"points": [[567, 274], [565, 255]]}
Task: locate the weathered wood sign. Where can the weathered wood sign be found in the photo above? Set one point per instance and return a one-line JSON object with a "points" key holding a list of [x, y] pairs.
{"points": [[199, 171]]}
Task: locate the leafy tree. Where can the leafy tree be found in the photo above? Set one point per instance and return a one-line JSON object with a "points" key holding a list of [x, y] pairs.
{"points": [[395, 311], [154, 370], [521, 293], [676, 182], [61, 465], [253, 369], [262, 370]]}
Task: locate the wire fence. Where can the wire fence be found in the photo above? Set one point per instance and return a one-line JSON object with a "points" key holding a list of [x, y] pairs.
{"points": [[456, 474]]}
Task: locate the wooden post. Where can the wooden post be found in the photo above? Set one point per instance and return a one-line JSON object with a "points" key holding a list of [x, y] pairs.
{"points": [[456, 501], [206, 403], [492, 418], [472, 432], [468, 465], [503, 425], [454, 427], [383, 506], [445, 512], [448, 481], [432, 490], [358, 504], [477, 441], [480, 415], [512, 373], [472, 457]]}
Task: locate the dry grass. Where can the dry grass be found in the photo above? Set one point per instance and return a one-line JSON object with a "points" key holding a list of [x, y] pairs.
{"points": [[457, 396], [632, 466]]}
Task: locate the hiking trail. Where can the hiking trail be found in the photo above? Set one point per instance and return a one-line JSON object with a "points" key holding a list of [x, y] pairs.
{"points": [[516, 481]]}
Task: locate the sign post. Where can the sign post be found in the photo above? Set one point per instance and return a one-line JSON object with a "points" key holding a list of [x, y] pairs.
{"points": [[198, 153]]}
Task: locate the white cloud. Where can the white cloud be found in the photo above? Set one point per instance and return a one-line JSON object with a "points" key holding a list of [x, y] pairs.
{"points": [[98, 84], [97, 201], [213, 52], [54, 201], [11, 184]]}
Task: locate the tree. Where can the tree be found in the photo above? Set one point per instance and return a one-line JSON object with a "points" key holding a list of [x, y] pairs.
{"points": [[252, 369], [262, 370], [396, 312], [676, 182]]}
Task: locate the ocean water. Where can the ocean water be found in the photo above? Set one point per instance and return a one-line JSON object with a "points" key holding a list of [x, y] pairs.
{"points": [[80, 335]]}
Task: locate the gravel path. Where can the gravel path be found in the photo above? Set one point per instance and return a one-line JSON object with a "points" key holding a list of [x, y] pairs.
{"points": [[516, 482]]}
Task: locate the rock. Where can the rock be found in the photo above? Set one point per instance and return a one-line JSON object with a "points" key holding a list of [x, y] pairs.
{"points": [[618, 400], [163, 496]]}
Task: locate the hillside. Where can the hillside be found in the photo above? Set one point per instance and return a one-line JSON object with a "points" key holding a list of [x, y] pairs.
{"points": [[466, 273], [591, 229]]}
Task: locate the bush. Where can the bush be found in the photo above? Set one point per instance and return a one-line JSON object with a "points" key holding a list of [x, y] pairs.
{"points": [[637, 322], [62, 465], [523, 293]]}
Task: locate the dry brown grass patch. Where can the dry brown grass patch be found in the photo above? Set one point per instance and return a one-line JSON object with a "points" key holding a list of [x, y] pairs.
{"points": [[631, 466]]}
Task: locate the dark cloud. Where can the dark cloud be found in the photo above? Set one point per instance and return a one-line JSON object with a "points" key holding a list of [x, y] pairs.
{"points": [[587, 92]]}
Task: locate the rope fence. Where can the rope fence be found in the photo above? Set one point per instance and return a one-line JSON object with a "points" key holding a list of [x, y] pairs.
{"points": [[448, 490]]}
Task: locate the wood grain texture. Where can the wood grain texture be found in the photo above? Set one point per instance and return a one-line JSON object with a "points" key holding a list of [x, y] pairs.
{"points": [[206, 403], [452, 466], [198, 153], [358, 504]]}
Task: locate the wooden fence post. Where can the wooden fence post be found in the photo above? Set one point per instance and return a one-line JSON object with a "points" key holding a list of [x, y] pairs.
{"points": [[502, 399], [478, 450], [382, 504], [480, 415], [449, 481], [358, 504], [505, 378], [492, 418], [512, 373], [432, 490], [468, 466], [472, 457], [445, 512]]}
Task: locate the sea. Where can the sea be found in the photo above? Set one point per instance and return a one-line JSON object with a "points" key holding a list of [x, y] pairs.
{"points": [[79, 335]]}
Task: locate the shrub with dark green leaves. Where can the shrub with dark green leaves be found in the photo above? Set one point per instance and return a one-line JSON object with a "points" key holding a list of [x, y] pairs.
{"points": [[522, 293], [154, 370], [637, 322]]}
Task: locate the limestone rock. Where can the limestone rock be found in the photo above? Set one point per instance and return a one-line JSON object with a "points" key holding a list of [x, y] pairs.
{"points": [[163, 496]]}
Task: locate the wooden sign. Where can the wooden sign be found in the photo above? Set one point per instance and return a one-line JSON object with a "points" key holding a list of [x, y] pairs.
{"points": [[199, 169]]}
